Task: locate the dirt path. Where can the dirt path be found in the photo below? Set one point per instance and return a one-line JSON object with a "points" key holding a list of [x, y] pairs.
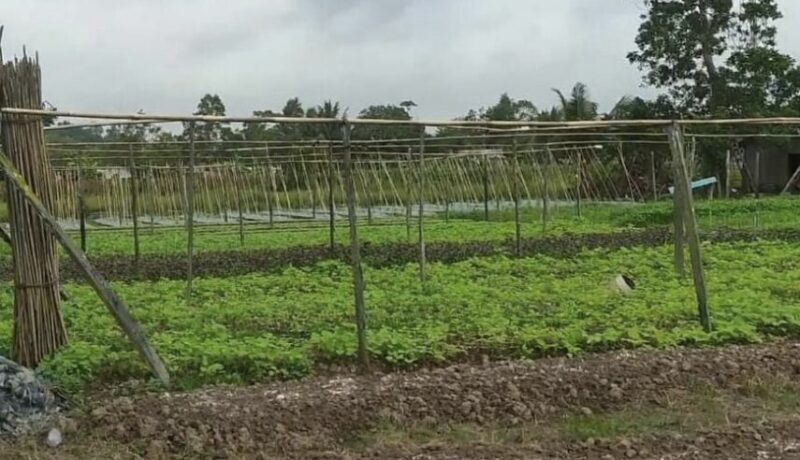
{"points": [[733, 402]]}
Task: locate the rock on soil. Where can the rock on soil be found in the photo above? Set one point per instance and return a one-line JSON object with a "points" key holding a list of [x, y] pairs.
{"points": [[26, 403]]}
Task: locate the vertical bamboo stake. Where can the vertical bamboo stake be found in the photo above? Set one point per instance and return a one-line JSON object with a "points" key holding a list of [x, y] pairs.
{"points": [[81, 209], [683, 181], [485, 164], [515, 192], [580, 183], [134, 207], [238, 190], [545, 196], [421, 196], [653, 183], [190, 212], [678, 222], [355, 251], [331, 223], [408, 196], [271, 188], [757, 187], [728, 173]]}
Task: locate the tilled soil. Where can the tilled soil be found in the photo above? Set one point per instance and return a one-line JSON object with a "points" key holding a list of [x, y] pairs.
{"points": [[234, 263], [338, 417]]}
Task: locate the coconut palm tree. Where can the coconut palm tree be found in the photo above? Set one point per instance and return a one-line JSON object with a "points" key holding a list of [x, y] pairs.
{"points": [[579, 106]]}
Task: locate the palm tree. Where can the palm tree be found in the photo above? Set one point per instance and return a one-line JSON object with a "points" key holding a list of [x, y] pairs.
{"points": [[579, 106]]}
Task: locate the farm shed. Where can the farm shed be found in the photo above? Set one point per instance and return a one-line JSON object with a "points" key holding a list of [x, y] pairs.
{"points": [[777, 162]]}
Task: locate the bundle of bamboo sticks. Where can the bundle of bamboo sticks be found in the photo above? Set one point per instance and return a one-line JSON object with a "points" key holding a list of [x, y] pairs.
{"points": [[38, 324]]}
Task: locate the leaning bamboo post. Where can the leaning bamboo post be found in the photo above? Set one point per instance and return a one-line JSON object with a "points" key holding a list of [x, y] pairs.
{"points": [[134, 207], [331, 216], [190, 212], [93, 277], [81, 209], [421, 197], [238, 191], [38, 324], [355, 250], [683, 181], [515, 192]]}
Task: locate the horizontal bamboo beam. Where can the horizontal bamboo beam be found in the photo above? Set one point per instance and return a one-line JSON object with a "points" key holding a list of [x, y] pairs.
{"points": [[431, 123]]}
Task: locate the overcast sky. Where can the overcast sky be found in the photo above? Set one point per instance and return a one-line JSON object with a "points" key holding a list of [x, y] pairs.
{"points": [[446, 55]]}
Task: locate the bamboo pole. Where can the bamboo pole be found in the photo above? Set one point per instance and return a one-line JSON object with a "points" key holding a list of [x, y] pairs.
{"points": [[421, 196], [355, 251], [515, 193], [407, 198], [331, 216], [728, 173], [93, 277], [485, 165], [580, 183], [271, 188], [545, 199], [81, 209], [678, 222], [38, 324], [134, 208], [238, 191], [653, 183], [683, 181], [190, 212], [757, 186]]}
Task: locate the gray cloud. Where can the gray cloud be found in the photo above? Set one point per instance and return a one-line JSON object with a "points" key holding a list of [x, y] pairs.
{"points": [[447, 55]]}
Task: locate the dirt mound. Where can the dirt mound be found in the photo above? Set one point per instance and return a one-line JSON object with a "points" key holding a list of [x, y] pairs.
{"points": [[321, 417]]}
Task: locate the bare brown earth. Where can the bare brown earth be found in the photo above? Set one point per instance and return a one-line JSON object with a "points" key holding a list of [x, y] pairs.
{"points": [[739, 402]]}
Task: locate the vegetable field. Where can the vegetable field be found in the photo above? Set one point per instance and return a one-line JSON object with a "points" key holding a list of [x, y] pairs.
{"points": [[291, 322]]}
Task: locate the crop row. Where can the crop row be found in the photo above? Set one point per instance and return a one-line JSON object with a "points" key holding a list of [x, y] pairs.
{"points": [[771, 213], [235, 263], [282, 325]]}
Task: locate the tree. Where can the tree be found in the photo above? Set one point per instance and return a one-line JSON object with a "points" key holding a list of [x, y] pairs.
{"points": [[211, 105], [508, 109], [328, 109], [715, 59], [385, 112], [579, 106]]}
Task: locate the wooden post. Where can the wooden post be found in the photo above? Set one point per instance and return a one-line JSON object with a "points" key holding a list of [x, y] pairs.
{"points": [[331, 216], [93, 277], [653, 182], [271, 190], [355, 250], [515, 186], [190, 212], [727, 173], [134, 207], [580, 183], [421, 196], [683, 182], [238, 189], [81, 209]]}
